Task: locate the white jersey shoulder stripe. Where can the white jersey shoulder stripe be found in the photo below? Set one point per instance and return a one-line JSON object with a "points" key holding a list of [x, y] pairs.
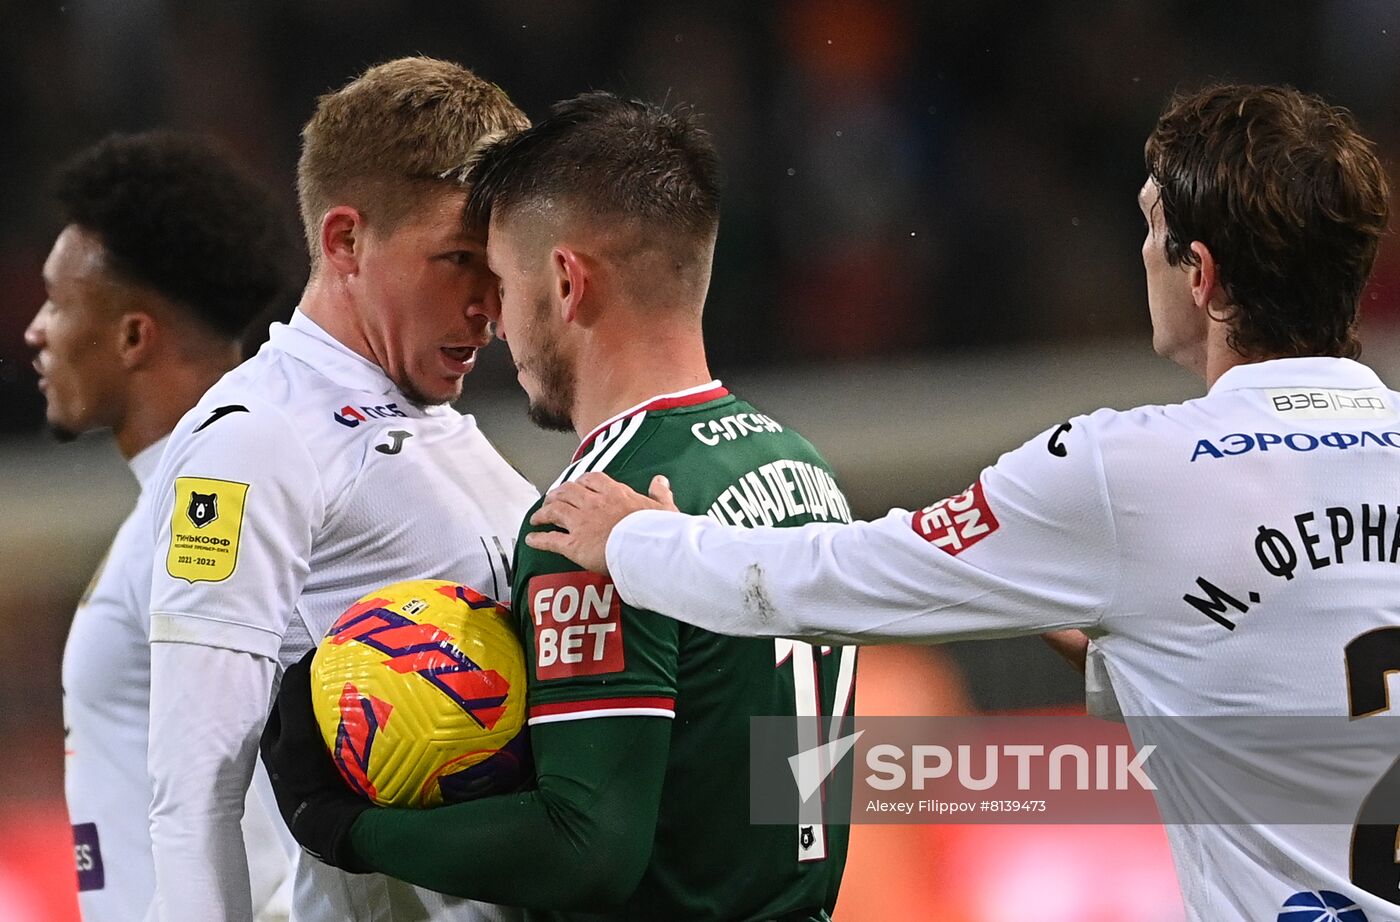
{"points": [[604, 449], [633, 425], [599, 445], [697, 394]]}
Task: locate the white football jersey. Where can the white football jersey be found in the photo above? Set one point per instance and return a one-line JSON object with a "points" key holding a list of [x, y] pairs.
{"points": [[302, 481], [1234, 556], [106, 715]]}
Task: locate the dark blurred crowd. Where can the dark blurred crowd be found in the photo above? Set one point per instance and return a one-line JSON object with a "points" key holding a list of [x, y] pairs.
{"points": [[903, 178]]}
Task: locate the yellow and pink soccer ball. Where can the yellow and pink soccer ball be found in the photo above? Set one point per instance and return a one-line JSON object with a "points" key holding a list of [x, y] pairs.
{"points": [[419, 691]]}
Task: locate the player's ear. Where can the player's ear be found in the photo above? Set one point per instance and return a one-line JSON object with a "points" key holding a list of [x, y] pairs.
{"points": [[570, 281], [1205, 276], [136, 339], [341, 240]]}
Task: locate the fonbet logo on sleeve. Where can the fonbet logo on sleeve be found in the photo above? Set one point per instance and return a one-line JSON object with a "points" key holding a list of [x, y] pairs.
{"points": [[578, 625], [204, 527], [958, 522]]}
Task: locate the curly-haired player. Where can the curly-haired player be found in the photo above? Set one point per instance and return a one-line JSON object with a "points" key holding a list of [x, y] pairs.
{"points": [[167, 254]]}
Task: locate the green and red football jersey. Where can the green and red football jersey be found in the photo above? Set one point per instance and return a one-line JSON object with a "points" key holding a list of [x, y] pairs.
{"points": [[592, 657]]}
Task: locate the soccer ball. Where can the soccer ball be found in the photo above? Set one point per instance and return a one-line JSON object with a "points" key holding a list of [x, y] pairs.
{"points": [[419, 690]]}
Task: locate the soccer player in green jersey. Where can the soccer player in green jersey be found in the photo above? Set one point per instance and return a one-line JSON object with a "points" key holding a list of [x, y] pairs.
{"points": [[602, 225]]}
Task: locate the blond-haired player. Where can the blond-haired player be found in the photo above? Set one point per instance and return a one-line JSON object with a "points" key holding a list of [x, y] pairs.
{"points": [[327, 465]]}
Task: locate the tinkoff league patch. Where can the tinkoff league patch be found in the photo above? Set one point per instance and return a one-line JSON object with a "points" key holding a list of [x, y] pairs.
{"points": [[204, 528]]}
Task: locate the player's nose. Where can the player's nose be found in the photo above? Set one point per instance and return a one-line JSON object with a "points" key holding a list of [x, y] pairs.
{"points": [[34, 333], [485, 305]]}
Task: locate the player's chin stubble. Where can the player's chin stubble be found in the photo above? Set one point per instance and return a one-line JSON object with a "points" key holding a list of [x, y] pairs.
{"points": [[553, 411], [421, 400], [550, 419]]}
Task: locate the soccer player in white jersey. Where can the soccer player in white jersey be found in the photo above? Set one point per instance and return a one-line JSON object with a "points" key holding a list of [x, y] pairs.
{"points": [[1233, 556], [328, 464], [136, 326]]}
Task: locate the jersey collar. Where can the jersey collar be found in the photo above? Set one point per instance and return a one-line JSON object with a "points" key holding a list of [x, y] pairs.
{"points": [[302, 338], [692, 396], [147, 460], [1308, 371]]}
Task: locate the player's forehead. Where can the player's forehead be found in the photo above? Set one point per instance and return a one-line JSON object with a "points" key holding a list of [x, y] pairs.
{"points": [[438, 219], [1148, 194], [75, 249], [77, 256], [493, 246], [502, 240]]}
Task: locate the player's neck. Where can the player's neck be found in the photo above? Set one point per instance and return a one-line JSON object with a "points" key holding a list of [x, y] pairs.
{"points": [[616, 375], [1220, 356], [327, 305], [158, 397]]}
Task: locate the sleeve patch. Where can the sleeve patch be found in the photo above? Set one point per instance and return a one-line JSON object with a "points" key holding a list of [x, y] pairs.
{"points": [[205, 524], [578, 625], [88, 852], [958, 522]]}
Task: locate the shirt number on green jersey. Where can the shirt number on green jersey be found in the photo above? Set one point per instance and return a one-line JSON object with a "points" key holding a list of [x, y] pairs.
{"points": [[807, 696]]}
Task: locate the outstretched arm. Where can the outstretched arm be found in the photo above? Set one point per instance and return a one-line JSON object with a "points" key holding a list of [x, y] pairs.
{"points": [[1029, 548]]}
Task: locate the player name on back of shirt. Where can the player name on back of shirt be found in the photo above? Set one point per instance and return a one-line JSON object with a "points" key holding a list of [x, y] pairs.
{"points": [[777, 491]]}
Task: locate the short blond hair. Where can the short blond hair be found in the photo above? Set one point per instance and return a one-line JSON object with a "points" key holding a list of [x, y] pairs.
{"points": [[399, 130]]}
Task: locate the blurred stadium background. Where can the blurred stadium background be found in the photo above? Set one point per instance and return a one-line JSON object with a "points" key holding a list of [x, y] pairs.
{"points": [[930, 252]]}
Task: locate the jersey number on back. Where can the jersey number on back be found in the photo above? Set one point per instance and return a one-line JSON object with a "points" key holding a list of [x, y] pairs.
{"points": [[1375, 848], [807, 692]]}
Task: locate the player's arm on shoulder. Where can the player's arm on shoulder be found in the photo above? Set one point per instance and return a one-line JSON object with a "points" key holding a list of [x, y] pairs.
{"points": [[1029, 547], [239, 499]]}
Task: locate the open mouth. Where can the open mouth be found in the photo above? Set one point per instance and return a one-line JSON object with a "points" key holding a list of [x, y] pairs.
{"points": [[458, 360]]}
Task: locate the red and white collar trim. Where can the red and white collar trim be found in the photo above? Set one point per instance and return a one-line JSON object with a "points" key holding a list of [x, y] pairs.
{"points": [[693, 396]]}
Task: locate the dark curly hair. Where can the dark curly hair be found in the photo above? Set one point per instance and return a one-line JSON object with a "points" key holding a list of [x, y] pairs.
{"points": [[1291, 200], [173, 213]]}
